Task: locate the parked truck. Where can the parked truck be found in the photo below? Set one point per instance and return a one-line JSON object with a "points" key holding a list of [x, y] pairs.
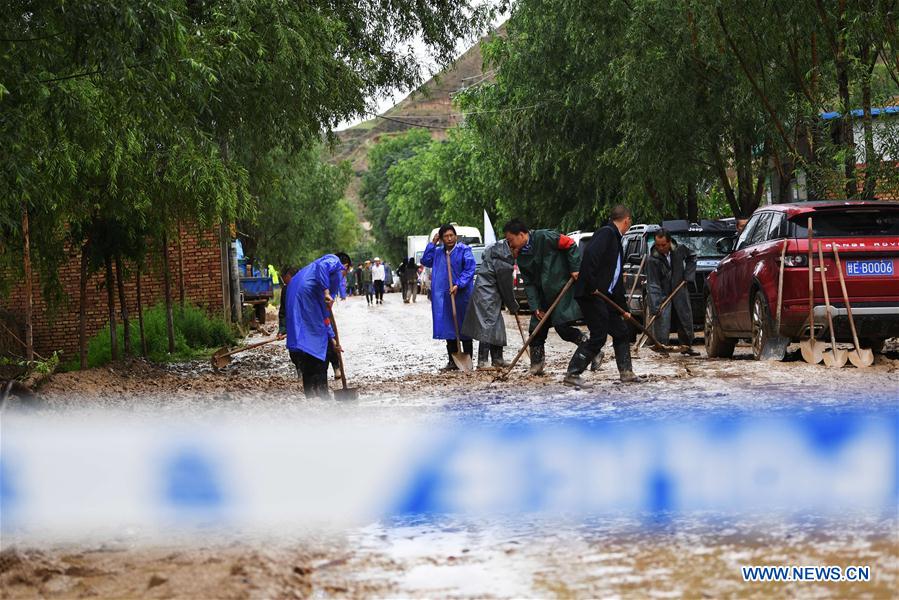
{"points": [[256, 287], [415, 246]]}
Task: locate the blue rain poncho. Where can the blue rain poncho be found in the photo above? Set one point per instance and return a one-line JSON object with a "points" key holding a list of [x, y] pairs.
{"points": [[308, 318], [463, 266]]}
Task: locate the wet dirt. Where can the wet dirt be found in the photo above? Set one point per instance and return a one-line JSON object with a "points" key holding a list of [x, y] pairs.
{"points": [[691, 557], [391, 358]]}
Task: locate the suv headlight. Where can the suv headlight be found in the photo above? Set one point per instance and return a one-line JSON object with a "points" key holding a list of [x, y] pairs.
{"points": [[795, 260]]}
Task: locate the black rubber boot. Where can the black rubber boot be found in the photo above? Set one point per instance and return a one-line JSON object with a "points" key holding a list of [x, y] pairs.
{"points": [[496, 354], [538, 358], [483, 355], [450, 350], [596, 363], [579, 362], [623, 360]]}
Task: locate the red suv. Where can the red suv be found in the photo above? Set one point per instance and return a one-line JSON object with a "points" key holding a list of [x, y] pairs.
{"points": [[742, 292]]}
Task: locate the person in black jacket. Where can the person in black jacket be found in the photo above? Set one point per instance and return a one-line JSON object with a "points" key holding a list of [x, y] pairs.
{"points": [[669, 264], [602, 269]]}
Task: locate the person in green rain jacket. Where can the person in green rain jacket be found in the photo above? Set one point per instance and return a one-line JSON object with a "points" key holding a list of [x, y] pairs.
{"points": [[546, 261]]}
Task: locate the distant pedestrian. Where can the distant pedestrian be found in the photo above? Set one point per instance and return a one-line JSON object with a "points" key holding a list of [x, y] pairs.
{"points": [[357, 279], [310, 295], [378, 275], [410, 280], [493, 289], [367, 282], [463, 267]]}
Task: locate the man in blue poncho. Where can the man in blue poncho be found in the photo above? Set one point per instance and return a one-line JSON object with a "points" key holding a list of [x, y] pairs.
{"points": [[309, 297], [463, 267]]}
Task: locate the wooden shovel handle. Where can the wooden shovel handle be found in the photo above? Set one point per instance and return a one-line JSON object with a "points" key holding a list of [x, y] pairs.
{"points": [[546, 316], [628, 318], [836, 255], [637, 279], [833, 337], [339, 353], [811, 284], [251, 346], [449, 276], [780, 285], [662, 306]]}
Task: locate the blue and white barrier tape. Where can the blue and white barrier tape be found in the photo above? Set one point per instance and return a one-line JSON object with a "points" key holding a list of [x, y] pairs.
{"points": [[73, 476]]}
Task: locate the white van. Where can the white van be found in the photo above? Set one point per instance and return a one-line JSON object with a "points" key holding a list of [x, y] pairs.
{"points": [[466, 235]]}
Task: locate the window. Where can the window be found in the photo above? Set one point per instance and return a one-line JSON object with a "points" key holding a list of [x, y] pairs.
{"points": [[849, 223], [778, 228], [760, 233], [703, 244], [742, 242]]}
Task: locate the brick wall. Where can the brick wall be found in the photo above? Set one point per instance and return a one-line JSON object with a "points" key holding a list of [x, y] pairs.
{"points": [[57, 328]]}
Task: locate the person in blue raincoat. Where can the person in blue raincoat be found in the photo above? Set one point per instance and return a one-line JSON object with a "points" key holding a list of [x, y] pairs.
{"points": [[309, 297], [463, 266]]}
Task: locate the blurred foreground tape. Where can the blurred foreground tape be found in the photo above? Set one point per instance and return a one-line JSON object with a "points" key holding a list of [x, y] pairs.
{"points": [[70, 475]]}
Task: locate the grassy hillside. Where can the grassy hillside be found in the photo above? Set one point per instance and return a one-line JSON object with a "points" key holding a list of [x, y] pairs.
{"points": [[429, 106]]}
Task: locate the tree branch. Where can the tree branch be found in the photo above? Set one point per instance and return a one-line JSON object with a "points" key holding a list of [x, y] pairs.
{"points": [[733, 47]]}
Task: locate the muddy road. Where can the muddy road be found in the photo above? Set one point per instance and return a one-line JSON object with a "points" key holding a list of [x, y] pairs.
{"points": [[392, 359]]}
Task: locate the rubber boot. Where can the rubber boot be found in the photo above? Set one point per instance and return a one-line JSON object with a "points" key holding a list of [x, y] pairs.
{"points": [[450, 349], [496, 353], [596, 363], [576, 366], [483, 355], [538, 358], [623, 360]]}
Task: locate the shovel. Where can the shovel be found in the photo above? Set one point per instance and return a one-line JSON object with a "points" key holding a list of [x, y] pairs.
{"points": [[812, 349], [656, 346], [346, 393], [834, 358], [662, 306], [637, 280], [222, 357], [462, 360], [543, 321], [521, 331], [780, 286], [860, 357]]}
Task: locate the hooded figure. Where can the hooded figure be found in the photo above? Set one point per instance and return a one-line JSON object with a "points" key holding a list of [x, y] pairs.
{"points": [[309, 331], [669, 264], [463, 266], [492, 290]]}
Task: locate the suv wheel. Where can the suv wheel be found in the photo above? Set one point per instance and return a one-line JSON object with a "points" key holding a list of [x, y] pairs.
{"points": [[766, 344], [717, 345]]}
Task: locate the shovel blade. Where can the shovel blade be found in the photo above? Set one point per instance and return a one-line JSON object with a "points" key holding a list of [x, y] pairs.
{"points": [[776, 349], [812, 351], [346, 394], [220, 359], [835, 358], [861, 358], [463, 361]]}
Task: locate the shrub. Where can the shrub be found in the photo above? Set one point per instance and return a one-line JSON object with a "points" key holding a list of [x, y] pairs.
{"points": [[195, 331]]}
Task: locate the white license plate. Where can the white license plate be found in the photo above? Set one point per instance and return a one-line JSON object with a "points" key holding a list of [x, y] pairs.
{"points": [[869, 268]]}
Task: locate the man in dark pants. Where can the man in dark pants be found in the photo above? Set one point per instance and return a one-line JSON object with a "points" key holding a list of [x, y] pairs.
{"points": [[669, 264], [546, 260], [601, 269], [309, 297]]}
